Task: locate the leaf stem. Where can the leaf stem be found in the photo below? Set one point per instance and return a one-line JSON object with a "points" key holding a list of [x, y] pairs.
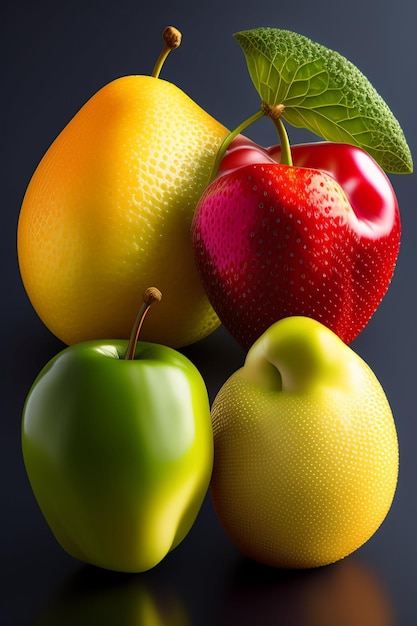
{"points": [[229, 138], [172, 39], [151, 295], [275, 114]]}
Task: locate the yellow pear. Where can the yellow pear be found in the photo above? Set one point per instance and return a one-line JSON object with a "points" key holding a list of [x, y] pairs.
{"points": [[108, 211], [305, 449]]}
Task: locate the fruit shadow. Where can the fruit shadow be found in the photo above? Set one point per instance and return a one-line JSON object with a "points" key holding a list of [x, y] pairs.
{"points": [[347, 593], [217, 357]]}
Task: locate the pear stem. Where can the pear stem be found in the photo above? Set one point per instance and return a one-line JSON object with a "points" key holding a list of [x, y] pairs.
{"points": [[172, 39], [229, 138], [151, 295]]}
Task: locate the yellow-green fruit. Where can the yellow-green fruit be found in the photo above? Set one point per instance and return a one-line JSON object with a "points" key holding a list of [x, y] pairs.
{"points": [[108, 212], [306, 452]]}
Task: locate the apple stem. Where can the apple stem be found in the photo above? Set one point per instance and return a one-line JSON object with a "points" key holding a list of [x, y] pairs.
{"points": [[151, 295], [172, 39], [229, 138], [275, 114]]}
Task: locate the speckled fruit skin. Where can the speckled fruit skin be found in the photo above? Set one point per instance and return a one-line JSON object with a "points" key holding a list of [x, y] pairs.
{"points": [[272, 241], [305, 449], [108, 210]]}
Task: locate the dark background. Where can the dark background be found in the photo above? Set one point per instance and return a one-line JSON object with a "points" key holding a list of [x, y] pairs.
{"points": [[55, 55]]}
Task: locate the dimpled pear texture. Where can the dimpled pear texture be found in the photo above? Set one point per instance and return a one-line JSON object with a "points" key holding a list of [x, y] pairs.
{"points": [[272, 241], [302, 481], [108, 213]]}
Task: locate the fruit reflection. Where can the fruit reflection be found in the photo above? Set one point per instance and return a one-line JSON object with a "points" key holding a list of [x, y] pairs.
{"points": [[97, 597], [347, 593]]}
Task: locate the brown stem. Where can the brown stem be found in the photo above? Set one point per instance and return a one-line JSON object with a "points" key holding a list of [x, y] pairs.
{"points": [[172, 39], [151, 295]]}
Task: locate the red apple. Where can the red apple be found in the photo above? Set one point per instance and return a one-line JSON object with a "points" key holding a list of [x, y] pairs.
{"points": [[319, 238]]}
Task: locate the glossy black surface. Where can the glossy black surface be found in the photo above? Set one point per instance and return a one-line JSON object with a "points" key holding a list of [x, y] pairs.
{"points": [[56, 55]]}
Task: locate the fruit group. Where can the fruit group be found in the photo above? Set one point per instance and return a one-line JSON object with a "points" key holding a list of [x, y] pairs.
{"points": [[109, 209], [305, 449], [274, 240], [144, 187], [118, 450]]}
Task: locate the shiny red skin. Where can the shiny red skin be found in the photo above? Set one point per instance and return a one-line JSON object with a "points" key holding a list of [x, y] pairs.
{"points": [[269, 243], [365, 184]]}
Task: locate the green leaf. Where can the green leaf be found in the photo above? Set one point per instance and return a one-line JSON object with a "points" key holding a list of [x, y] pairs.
{"points": [[325, 93]]}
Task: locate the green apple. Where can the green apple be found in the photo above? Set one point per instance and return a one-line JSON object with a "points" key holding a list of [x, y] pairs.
{"points": [[305, 448], [118, 448]]}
